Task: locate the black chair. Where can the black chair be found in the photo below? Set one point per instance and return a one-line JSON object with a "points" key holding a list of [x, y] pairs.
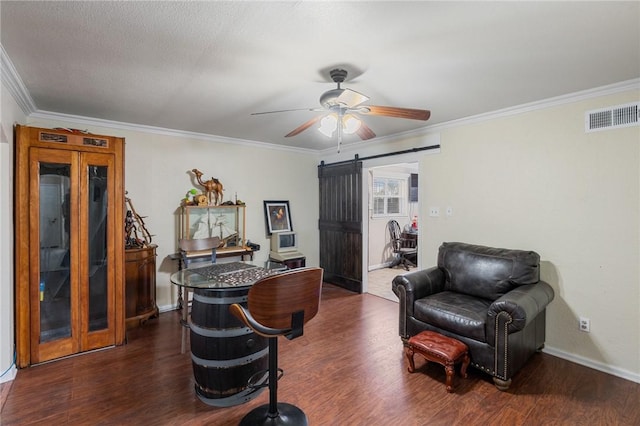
{"points": [[192, 252], [280, 305], [404, 249]]}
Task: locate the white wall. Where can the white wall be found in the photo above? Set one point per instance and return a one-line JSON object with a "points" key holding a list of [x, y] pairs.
{"points": [[537, 181], [157, 178], [10, 114]]}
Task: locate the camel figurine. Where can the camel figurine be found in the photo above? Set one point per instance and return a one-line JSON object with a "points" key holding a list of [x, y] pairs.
{"points": [[212, 188]]}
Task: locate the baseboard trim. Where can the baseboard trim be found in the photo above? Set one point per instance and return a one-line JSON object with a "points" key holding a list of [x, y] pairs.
{"points": [[166, 308], [605, 368], [9, 375], [379, 266]]}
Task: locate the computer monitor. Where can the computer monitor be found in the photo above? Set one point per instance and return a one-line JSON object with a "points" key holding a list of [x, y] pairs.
{"points": [[282, 242]]}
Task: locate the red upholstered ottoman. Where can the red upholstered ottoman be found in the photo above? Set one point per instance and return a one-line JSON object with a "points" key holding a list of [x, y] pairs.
{"points": [[441, 349]]}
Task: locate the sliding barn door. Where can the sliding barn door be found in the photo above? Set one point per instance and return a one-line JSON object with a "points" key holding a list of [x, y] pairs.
{"points": [[341, 224]]}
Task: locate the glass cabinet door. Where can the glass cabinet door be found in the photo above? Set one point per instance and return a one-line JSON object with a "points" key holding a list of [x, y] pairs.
{"points": [[96, 267], [71, 290], [54, 283]]}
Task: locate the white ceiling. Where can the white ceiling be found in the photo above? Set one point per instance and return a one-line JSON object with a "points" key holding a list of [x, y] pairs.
{"points": [[206, 66]]}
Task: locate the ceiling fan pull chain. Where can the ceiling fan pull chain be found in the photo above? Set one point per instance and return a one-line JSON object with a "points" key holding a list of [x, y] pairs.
{"points": [[339, 128]]}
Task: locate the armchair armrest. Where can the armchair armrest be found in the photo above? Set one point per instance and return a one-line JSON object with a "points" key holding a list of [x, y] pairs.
{"points": [[513, 311], [416, 285]]}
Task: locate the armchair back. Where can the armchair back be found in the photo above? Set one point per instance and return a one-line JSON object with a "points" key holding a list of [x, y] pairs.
{"points": [[486, 272]]}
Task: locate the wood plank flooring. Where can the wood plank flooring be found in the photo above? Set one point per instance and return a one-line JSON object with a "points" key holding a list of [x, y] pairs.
{"points": [[347, 369]]}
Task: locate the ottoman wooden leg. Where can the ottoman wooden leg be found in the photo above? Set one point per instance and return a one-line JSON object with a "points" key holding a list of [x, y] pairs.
{"points": [[444, 350], [409, 353], [448, 368], [465, 363]]}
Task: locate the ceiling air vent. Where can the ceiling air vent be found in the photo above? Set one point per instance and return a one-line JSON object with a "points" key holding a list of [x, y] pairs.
{"points": [[612, 117]]}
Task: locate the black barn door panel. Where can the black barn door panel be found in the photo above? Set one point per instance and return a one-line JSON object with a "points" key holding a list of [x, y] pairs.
{"points": [[340, 224]]}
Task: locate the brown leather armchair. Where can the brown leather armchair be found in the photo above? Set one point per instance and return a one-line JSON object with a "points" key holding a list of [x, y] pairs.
{"points": [[491, 299]]}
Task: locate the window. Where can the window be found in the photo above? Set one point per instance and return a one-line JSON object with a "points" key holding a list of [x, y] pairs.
{"points": [[389, 196]]}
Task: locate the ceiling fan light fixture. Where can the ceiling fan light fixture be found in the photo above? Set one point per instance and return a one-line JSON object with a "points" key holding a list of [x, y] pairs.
{"points": [[350, 124], [328, 125]]}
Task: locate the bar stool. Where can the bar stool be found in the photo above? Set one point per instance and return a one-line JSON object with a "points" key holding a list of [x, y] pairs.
{"points": [[280, 305]]}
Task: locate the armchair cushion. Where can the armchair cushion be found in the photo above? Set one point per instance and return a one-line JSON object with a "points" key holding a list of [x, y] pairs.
{"points": [[486, 272], [455, 312]]}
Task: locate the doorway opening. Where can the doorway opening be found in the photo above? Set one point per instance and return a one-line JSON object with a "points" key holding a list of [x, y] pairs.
{"points": [[392, 194]]}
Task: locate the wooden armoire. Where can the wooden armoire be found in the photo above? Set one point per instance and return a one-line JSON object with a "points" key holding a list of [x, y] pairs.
{"points": [[69, 243]]}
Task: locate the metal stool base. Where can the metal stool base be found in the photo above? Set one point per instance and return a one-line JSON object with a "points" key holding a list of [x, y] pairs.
{"points": [[287, 415]]}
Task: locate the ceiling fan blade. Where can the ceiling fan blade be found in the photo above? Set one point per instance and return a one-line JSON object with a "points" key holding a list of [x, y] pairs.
{"points": [[287, 110], [365, 132], [410, 113], [303, 127], [351, 98]]}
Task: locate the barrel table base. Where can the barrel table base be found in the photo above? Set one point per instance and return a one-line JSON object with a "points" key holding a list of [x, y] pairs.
{"points": [[236, 399], [225, 353]]}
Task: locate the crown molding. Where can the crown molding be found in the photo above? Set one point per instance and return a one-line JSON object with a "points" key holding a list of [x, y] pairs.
{"points": [[611, 89], [12, 81], [119, 125]]}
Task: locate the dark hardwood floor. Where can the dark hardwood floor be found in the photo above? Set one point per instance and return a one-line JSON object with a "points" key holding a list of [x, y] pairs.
{"points": [[347, 369]]}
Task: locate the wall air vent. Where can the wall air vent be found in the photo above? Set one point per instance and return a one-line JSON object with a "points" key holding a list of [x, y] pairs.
{"points": [[612, 117]]}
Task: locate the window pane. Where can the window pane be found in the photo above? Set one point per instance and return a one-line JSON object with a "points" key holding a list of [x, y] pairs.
{"points": [[389, 196], [378, 206], [393, 205], [378, 187], [393, 187]]}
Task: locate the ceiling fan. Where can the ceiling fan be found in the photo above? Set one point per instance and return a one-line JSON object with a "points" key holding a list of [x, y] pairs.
{"points": [[341, 107]]}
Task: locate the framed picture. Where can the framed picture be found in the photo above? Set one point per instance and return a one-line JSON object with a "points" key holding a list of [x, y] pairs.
{"points": [[277, 216]]}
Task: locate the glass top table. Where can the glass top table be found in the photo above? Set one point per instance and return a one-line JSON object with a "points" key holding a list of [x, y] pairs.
{"points": [[225, 275]]}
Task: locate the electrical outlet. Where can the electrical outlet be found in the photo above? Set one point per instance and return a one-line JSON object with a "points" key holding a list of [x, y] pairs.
{"points": [[585, 324], [434, 211]]}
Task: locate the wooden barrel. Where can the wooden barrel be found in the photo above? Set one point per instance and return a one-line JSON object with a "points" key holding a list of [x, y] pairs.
{"points": [[225, 353]]}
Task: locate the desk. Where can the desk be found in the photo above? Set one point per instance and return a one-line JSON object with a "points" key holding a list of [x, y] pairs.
{"points": [[225, 353], [410, 239], [291, 260]]}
